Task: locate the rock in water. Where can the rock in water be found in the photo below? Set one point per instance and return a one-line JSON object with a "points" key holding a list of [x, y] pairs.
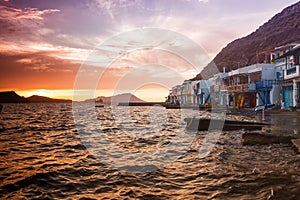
{"points": [[255, 138]]}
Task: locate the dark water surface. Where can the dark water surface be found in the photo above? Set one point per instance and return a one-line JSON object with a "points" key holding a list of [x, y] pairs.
{"points": [[43, 156]]}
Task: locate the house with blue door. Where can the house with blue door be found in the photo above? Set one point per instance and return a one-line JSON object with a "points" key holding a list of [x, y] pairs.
{"points": [[218, 92], [289, 71], [249, 86], [201, 90], [190, 93], [244, 87]]}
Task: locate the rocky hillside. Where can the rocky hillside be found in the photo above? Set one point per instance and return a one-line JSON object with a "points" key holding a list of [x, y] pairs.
{"points": [[41, 99], [282, 29]]}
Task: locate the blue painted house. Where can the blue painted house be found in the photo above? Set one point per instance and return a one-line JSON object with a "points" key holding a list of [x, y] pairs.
{"points": [[289, 63]]}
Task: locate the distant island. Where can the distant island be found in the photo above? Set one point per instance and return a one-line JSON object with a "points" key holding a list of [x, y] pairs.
{"points": [[13, 97], [126, 97], [42, 99]]}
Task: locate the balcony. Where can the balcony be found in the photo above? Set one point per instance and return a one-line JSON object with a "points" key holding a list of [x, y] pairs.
{"points": [[190, 92], [216, 88], [223, 88], [239, 88], [291, 72], [265, 84]]}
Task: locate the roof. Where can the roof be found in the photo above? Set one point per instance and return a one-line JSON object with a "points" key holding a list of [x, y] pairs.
{"points": [[250, 69], [295, 50]]}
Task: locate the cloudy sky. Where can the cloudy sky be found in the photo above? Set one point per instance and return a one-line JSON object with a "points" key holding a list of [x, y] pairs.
{"points": [[50, 47]]}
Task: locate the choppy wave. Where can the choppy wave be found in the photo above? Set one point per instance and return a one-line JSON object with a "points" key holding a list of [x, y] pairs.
{"points": [[43, 156]]}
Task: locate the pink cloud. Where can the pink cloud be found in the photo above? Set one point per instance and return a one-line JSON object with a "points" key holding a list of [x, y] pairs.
{"points": [[16, 22]]}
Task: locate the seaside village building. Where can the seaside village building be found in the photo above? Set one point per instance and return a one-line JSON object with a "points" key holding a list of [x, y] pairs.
{"points": [[248, 87], [275, 83], [287, 63], [191, 93]]}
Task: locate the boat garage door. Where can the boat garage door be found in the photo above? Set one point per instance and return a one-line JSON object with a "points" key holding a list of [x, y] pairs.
{"points": [[288, 96]]}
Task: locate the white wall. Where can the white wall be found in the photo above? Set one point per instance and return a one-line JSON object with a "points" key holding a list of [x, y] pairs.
{"points": [[268, 72], [275, 95]]}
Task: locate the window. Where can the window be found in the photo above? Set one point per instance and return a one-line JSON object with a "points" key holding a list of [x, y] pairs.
{"points": [[296, 61], [291, 71]]}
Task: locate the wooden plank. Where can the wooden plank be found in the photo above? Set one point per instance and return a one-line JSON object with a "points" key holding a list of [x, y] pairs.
{"points": [[204, 124]]}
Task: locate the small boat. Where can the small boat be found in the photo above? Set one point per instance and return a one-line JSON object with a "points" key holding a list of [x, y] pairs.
{"points": [[205, 124]]}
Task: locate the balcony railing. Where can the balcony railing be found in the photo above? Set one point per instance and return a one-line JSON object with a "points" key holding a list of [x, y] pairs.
{"points": [[266, 84], [223, 88], [238, 88]]}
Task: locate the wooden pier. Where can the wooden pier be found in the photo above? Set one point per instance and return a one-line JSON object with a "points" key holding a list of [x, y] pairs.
{"points": [[205, 124], [141, 104]]}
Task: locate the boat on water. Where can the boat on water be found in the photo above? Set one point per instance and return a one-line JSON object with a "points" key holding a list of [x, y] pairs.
{"points": [[205, 124]]}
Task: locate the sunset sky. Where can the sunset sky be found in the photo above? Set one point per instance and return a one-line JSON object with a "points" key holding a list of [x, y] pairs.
{"points": [[45, 42]]}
